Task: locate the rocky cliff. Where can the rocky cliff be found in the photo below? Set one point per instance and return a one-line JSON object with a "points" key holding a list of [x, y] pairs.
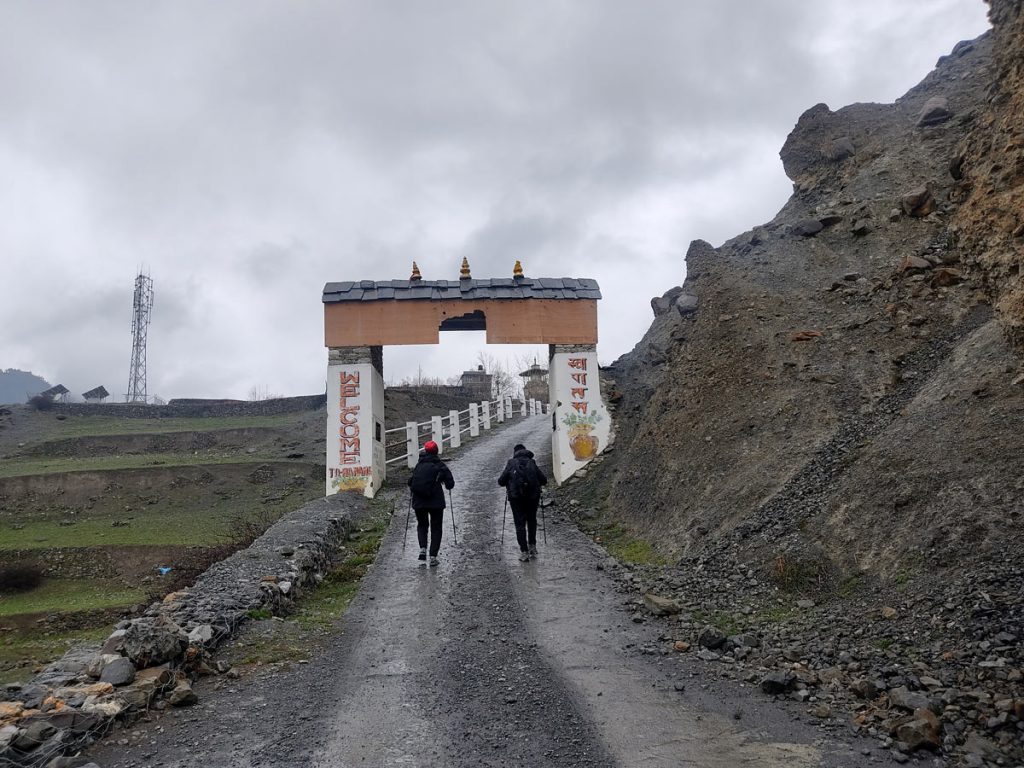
{"points": [[989, 166], [831, 385]]}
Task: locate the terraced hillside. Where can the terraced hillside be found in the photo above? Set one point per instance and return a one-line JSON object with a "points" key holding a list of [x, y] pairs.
{"points": [[111, 512], [102, 506]]}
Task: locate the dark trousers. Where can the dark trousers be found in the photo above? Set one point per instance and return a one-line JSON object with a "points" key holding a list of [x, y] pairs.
{"points": [[429, 518], [524, 513]]}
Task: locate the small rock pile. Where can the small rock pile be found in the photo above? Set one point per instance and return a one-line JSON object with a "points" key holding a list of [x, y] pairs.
{"points": [[151, 661]]}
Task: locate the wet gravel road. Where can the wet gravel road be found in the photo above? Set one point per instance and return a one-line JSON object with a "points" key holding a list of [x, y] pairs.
{"points": [[485, 661]]}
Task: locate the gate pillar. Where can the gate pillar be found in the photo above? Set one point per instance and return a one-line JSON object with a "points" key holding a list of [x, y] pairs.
{"points": [[355, 420], [580, 423]]}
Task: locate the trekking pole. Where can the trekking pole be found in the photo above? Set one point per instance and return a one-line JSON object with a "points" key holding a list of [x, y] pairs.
{"points": [[504, 517], [452, 505], [544, 522], [408, 511]]}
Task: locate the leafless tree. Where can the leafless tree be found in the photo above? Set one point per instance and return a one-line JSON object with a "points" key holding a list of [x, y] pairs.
{"points": [[262, 392]]}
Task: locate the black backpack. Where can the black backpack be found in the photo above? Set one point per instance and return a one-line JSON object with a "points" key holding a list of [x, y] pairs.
{"points": [[424, 478], [522, 480]]}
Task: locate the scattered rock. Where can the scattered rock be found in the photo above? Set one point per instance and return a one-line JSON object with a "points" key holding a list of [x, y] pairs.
{"points": [[935, 111], [778, 682], [119, 671], [182, 695], [944, 277], [861, 227], [914, 264], [864, 689], [922, 732], [201, 635], [661, 606], [904, 698], [918, 202], [821, 710], [807, 227], [711, 637]]}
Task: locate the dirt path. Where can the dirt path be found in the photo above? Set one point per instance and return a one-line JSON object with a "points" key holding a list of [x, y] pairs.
{"points": [[484, 661]]}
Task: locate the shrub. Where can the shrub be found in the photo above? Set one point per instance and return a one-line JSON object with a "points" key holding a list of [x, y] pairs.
{"points": [[21, 577], [40, 402], [247, 526], [796, 574]]}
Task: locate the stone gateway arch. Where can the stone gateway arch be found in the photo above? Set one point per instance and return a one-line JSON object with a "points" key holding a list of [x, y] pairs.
{"points": [[362, 317]]}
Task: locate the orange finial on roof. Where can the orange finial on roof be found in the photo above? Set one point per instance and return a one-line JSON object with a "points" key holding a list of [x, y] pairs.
{"points": [[415, 273], [464, 271], [517, 270]]}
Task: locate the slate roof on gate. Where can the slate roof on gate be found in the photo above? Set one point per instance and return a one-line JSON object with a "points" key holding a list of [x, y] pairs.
{"points": [[491, 288]]}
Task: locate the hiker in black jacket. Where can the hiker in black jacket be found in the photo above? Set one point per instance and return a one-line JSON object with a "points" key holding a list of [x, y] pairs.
{"points": [[426, 484], [522, 480]]}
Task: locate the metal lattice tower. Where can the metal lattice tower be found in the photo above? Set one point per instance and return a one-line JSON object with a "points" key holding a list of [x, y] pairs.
{"points": [[142, 308]]}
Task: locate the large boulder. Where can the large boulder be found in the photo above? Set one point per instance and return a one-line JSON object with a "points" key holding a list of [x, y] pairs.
{"points": [[150, 641], [935, 111], [686, 304]]}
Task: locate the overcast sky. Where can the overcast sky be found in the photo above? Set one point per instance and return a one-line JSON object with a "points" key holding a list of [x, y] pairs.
{"points": [[247, 152]]}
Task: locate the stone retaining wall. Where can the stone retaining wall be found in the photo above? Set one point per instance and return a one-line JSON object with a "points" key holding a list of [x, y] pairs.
{"points": [[192, 408], [76, 699]]}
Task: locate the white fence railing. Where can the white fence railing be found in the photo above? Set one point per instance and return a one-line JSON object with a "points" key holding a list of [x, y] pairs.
{"points": [[448, 431]]}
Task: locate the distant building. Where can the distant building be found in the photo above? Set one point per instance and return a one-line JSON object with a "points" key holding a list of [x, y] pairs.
{"points": [[97, 395], [535, 383], [476, 384]]}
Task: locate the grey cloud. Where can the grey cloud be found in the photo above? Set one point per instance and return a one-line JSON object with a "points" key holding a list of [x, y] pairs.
{"points": [[250, 151]]}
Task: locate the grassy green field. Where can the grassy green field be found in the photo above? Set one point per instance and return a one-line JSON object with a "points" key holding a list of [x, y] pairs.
{"points": [[172, 497], [21, 653], [206, 524], [70, 595], [43, 466]]}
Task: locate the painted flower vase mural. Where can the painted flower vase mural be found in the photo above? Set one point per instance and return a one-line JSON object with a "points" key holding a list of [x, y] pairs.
{"points": [[583, 444]]}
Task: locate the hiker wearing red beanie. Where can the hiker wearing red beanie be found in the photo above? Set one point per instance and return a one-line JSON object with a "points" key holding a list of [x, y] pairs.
{"points": [[426, 484]]}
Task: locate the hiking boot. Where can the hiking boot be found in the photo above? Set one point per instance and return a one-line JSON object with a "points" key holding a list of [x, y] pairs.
{"points": [[434, 561], [533, 551], [422, 555], [524, 556]]}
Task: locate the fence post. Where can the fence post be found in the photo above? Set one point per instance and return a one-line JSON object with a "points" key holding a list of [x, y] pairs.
{"points": [[499, 409], [486, 405], [547, 408], [412, 443], [524, 405], [455, 439], [474, 419], [437, 433]]}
